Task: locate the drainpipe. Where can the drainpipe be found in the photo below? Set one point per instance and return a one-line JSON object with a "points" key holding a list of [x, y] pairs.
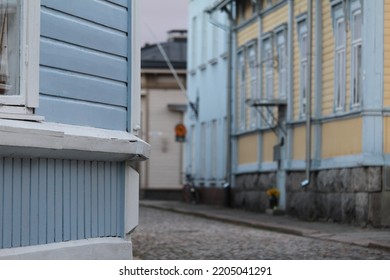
{"points": [[306, 182], [229, 92]]}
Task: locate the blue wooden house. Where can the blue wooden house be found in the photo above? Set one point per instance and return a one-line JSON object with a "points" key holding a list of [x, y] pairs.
{"points": [[69, 120]]}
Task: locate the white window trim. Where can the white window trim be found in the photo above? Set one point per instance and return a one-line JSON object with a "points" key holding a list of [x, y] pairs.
{"points": [[339, 78], [268, 62], [355, 43], [281, 42], [22, 106]]}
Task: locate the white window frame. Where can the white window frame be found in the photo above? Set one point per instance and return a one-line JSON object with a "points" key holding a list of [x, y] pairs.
{"points": [[340, 41], [252, 63], [356, 70], [194, 43], [242, 89], [281, 47], [268, 62], [22, 106], [303, 64], [205, 47]]}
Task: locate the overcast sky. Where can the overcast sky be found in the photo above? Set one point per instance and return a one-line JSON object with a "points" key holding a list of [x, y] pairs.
{"points": [[161, 16]]}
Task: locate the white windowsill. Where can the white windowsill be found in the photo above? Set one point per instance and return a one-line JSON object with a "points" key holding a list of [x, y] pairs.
{"points": [[52, 140]]}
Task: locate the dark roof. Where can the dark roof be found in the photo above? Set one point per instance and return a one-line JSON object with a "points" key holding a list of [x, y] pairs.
{"points": [[175, 48]]}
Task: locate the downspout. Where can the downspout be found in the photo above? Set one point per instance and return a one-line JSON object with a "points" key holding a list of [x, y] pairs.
{"points": [[229, 92], [306, 182]]}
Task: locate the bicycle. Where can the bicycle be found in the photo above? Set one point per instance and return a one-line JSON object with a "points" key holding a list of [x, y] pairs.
{"points": [[190, 191]]}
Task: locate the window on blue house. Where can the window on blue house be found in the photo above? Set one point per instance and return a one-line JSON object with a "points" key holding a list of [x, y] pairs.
{"points": [[19, 56]]}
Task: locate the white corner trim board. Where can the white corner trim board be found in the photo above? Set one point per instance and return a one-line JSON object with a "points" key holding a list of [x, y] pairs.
{"points": [[109, 248], [53, 140]]}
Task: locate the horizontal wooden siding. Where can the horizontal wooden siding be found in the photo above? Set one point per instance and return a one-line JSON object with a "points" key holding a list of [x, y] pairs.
{"points": [[84, 63]]}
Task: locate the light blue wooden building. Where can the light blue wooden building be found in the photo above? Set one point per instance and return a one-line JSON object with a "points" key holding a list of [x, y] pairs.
{"points": [[206, 149], [69, 118]]}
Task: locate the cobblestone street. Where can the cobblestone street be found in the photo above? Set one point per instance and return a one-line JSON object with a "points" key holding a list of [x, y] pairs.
{"points": [[165, 235]]}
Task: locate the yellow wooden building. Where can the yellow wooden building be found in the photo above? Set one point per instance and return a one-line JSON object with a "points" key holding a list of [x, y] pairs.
{"points": [[311, 107]]}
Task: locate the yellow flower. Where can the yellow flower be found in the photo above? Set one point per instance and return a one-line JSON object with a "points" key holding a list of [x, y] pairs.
{"points": [[273, 192]]}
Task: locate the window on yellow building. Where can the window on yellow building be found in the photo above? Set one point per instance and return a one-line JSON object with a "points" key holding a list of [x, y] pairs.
{"points": [[303, 64], [356, 57], [339, 70], [252, 61], [268, 62], [242, 89], [282, 60]]}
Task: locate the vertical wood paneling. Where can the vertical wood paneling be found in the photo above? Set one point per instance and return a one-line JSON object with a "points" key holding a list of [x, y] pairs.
{"points": [[26, 167], [7, 215], [50, 201], [66, 200], [88, 200], [1, 200], [16, 202], [107, 199], [94, 197], [114, 186], [34, 202], [58, 201], [42, 207], [53, 200], [73, 200], [101, 207], [80, 200]]}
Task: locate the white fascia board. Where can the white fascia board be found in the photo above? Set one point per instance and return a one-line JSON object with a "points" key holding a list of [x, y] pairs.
{"points": [[32, 139]]}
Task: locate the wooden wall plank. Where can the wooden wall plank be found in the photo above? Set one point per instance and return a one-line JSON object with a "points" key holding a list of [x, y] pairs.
{"points": [[107, 198], [101, 206], [94, 199], [82, 113], [82, 60], [114, 187], [34, 202], [42, 208], [57, 25], [16, 202], [76, 86], [1, 199], [7, 212], [26, 183], [59, 203], [73, 200], [94, 11], [66, 200], [50, 201], [88, 200], [80, 200]]}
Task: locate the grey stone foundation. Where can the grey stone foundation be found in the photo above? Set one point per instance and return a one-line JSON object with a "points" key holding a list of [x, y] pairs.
{"points": [[353, 195]]}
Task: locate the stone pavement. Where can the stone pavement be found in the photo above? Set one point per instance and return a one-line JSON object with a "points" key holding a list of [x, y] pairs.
{"points": [[365, 237]]}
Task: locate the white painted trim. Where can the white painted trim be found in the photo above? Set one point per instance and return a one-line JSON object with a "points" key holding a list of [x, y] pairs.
{"points": [[21, 138], [135, 126], [87, 249], [131, 199], [29, 59]]}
